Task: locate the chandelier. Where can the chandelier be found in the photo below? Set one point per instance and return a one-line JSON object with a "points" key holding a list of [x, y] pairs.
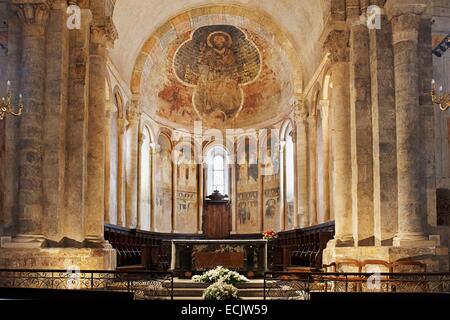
{"points": [[441, 99], [6, 104]]}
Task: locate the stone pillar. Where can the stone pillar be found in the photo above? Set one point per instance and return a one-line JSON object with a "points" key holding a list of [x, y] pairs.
{"points": [[337, 44], [301, 117], [153, 198], [325, 113], [94, 222], [384, 133], [121, 130], [133, 115], [76, 130], [405, 19], [108, 116], [34, 17], [312, 151], [361, 132]]}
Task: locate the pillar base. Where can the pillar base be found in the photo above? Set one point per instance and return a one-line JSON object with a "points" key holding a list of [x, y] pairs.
{"points": [[346, 241], [25, 242], [413, 240], [97, 242], [58, 258], [435, 257]]}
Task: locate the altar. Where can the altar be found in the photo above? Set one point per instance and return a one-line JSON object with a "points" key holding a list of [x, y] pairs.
{"points": [[244, 256]]}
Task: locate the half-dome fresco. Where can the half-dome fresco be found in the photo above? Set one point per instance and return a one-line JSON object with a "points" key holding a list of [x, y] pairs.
{"points": [[224, 75]]}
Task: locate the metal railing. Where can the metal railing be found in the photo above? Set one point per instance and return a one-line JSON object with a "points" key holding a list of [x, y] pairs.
{"points": [[146, 285], [299, 286]]}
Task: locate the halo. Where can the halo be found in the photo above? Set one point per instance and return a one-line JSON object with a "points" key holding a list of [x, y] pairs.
{"points": [[222, 33]]}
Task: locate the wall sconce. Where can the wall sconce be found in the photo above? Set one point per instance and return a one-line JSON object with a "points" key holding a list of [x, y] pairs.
{"points": [[6, 104], [441, 99]]}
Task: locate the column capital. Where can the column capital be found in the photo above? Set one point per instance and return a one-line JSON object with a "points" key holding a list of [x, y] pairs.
{"points": [[32, 12], [141, 138], [133, 111], [336, 42], [105, 33], [397, 8]]}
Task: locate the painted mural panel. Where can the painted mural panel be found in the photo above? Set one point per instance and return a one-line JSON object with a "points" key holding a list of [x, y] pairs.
{"points": [[221, 74], [163, 176], [187, 198], [247, 175], [271, 183]]}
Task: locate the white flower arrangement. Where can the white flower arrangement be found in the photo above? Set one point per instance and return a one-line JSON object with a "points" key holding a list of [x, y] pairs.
{"points": [[221, 291], [220, 274]]}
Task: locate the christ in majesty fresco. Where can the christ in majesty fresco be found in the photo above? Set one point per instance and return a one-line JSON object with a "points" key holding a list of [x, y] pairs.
{"points": [[217, 62]]}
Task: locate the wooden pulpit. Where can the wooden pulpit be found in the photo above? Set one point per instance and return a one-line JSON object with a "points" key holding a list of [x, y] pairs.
{"points": [[216, 217]]}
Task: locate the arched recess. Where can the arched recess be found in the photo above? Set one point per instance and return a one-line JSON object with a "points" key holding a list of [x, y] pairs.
{"points": [[186, 187], [145, 178], [164, 184], [269, 143], [247, 184], [287, 180]]}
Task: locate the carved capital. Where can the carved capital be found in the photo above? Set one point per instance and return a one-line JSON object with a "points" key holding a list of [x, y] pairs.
{"points": [[133, 111], [104, 34], [397, 8], [301, 112], [33, 12], [337, 44]]}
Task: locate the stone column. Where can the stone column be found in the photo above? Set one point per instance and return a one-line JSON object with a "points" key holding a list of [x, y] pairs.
{"points": [[153, 198], [282, 185], [301, 117], [325, 113], [361, 132], [312, 150], [384, 133], [133, 115], [141, 139], [201, 196], [100, 38], [405, 19], [108, 115], [76, 130], [34, 17], [121, 129], [337, 44]]}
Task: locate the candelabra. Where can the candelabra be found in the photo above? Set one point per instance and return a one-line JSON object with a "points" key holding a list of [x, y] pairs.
{"points": [[6, 104], [441, 99]]}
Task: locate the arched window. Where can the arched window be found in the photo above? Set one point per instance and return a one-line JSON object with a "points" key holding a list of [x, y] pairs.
{"points": [[217, 171]]}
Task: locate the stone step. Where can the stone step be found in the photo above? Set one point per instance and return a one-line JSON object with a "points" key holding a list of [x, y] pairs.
{"points": [[200, 298], [198, 292], [253, 284]]}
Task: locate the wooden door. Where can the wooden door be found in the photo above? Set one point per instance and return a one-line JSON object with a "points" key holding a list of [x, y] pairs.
{"points": [[216, 219]]}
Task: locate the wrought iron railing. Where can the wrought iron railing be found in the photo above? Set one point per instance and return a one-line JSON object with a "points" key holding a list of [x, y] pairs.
{"points": [[299, 286], [144, 284]]}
